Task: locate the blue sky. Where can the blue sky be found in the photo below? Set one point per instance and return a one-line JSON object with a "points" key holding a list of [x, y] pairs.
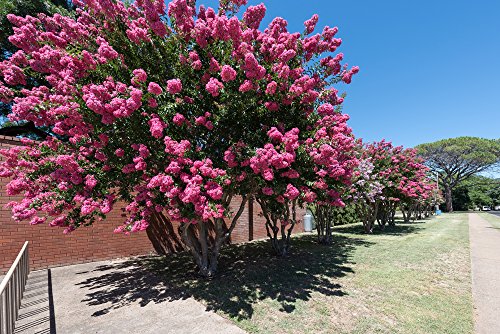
{"points": [[430, 69]]}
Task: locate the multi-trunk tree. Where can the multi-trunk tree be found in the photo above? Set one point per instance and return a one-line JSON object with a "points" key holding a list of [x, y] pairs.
{"points": [[457, 159], [178, 112]]}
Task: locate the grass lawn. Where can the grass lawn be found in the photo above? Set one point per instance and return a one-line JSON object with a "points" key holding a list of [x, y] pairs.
{"points": [[413, 278], [492, 219]]}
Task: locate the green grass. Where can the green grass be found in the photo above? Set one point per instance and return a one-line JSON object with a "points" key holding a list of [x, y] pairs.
{"points": [[492, 219], [412, 278]]}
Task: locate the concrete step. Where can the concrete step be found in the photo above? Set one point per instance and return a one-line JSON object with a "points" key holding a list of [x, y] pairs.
{"points": [[36, 314]]}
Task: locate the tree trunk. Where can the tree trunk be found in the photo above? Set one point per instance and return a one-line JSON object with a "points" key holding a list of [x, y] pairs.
{"points": [[382, 215], [392, 214], [447, 197], [370, 217], [204, 248], [275, 225], [324, 222], [406, 219]]}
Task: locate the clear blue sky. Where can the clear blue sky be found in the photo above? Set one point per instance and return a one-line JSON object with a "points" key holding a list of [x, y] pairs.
{"points": [[430, 69]]}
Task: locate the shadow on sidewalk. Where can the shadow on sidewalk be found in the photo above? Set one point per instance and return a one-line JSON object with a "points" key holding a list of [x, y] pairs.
{"points": [[248, 273]]}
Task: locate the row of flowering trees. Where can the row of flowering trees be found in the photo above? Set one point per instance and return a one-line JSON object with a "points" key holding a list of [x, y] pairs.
{"points": [[180, 110], [390, 177], [385, 178]]}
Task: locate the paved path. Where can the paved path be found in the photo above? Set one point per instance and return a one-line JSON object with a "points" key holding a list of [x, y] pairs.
{"points": [[485, 257], [111, 297]]}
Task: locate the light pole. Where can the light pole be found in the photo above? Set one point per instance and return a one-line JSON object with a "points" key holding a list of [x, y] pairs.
{"points": [[437, 191]]}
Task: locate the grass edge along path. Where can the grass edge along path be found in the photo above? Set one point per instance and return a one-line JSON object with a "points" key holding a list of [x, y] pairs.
{"points": [[491, 218], [413, 278]]}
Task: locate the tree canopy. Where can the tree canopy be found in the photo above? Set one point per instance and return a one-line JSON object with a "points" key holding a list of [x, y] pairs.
{"points": [[7, 49], [457, 159], [176, 112], [475, 192]]}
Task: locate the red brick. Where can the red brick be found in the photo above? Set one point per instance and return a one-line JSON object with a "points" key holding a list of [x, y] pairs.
{"points": [[49, 247]]}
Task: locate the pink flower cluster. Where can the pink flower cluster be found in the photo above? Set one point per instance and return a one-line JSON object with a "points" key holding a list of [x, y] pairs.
{"points": [[274, 118], [214, 87], [174, 86], [228, 73], [254, 15]]}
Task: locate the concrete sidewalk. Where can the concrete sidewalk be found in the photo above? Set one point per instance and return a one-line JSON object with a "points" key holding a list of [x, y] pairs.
{"points": [[111, 297], [485, 257]]}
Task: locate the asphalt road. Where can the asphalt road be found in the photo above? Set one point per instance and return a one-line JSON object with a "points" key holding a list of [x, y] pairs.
{"points": [[496, 213]]}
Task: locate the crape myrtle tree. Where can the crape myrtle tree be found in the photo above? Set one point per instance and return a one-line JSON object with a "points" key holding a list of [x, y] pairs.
{"points": [[326, 216], [321, 166], [387, 176], [330, 173], [404, 179], [457, 159], [366, 193], [176, 111], [417, 194]]}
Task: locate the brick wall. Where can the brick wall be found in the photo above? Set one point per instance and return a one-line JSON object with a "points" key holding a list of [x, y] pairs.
{"points": [[49, 247]]}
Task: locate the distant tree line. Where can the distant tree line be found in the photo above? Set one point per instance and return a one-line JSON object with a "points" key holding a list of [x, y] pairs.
{"points": [[476, 192]]}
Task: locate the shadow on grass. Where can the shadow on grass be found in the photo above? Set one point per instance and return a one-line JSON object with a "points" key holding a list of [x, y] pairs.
{"points": [[248, 273], [400, 228]]}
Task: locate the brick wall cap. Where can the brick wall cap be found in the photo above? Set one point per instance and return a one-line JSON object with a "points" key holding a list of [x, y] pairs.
{"points": [[10, 140]]}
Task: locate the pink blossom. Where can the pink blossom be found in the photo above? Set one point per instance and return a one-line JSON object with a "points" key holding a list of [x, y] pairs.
{"points": [[214, 65], [105, 50], [267, 191], [275, 135], [179, 119], [38, 220], [154, 88], [214, 87], [174, 86], [197, 65], [152, 103], [268, 174], [272, 106], [326, 109], [246, 86], [291, 192], [156, 127], [119, 152], [228, 73], [214, 191], [254, 15], [271, 88], [347, 77], [311, 23], [139, 76], [183, 15], [90, 182]]}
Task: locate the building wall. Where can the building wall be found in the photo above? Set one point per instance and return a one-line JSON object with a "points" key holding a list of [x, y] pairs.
{"points": [[50, 247]]}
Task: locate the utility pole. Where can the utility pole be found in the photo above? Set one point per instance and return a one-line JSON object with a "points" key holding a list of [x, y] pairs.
{"points": [[437, 191]]}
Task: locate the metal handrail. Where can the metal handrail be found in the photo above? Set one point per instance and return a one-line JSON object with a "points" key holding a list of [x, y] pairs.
{"points": [[12, 289]]}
